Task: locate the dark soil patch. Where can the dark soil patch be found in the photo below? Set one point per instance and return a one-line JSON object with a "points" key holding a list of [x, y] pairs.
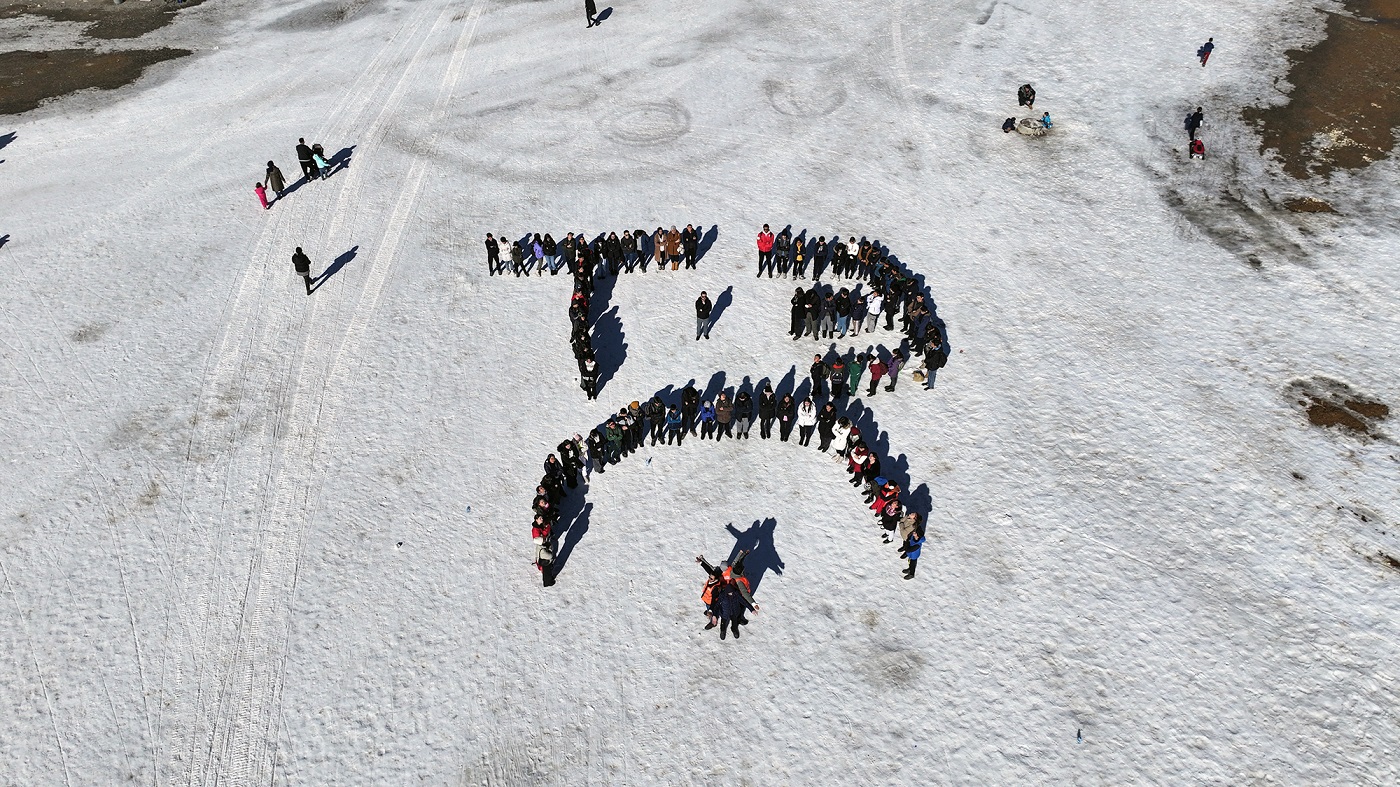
{"points": [[1309, 205], [32, 77], [1387, 560], [1346, 95], [107, 19], [1330, 402]]}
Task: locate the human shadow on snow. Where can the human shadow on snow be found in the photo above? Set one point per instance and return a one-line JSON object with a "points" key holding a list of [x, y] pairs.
{"points": [[763, 554]]}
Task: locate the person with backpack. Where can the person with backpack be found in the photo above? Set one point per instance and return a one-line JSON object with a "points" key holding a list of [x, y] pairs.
{"points": [[765, 252], [1204, 52], [892, 368], [1198, 149]]}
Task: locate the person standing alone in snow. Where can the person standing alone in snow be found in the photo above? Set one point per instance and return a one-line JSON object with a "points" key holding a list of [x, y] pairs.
{"points": [[1204, 52], [912, 547], [702, 316], [302, 265], [1194, 121], [275, 182], [591, 11], [304, 157]]}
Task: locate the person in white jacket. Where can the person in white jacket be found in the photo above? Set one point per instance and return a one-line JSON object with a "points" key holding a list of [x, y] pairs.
{"points": [[842, 432], [877, 303], [806, 422]]}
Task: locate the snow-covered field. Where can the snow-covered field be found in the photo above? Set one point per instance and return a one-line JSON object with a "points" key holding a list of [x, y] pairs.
{"points": [[250, 537]]}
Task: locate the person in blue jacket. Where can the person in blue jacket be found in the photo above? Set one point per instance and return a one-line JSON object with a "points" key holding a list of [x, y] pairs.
{"points": [[1045, 121], [912, 548], [1204, 52], [674, 432], [707, 421]]}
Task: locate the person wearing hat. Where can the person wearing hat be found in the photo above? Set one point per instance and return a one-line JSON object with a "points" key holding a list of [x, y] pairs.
{"points": [[638, 438], [707, 421], [767, 411]]}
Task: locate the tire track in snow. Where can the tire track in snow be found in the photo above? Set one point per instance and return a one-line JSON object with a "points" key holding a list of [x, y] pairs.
{"points": [[202, 636], [242, 743]]}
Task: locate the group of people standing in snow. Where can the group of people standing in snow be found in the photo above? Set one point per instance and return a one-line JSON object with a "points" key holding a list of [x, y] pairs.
{"points": [[314, 166], [607, 252], [657, 422], [824, 312]]}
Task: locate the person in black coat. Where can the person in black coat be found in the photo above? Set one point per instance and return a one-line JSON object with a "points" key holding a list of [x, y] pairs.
{"points": [[306, 158], [799, 313], [655, 412], [570, 458], [743, 415], [787, 415], [826, 426], [1194, 121], [1025, 96], [591, 12], [588, 377], [302, 265], [703, 307], [767, 411], [690, 405], [690, 241], [493, 254], [612, 249], [818, 374]]}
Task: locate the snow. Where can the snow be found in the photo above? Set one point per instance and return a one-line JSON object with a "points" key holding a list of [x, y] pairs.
{"points": [[237, 544]]}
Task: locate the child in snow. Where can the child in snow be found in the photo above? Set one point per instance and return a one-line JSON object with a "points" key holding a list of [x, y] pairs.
{"points": [[1009, 126], [1198, 149], [1045, 121], [262, 194]]}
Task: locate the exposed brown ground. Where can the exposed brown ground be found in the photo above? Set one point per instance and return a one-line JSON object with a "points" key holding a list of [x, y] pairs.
{"points": [[1308, 205], [1346, 95], [1330, 402], [108, 20], [32, 77]]}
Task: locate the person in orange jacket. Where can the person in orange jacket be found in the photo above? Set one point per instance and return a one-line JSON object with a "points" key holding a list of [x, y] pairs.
{"points": [[673, 247]]}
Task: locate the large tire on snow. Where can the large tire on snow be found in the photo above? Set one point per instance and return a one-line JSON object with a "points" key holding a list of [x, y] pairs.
{"points": [[1031, 127]]}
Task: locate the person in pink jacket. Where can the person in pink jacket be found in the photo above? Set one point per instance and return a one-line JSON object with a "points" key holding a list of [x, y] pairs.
{"points": [[262, 195], [765, 251]]}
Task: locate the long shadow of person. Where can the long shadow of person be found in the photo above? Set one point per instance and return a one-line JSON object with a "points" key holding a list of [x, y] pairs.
{"points": [[706, 241], [604, 14], [4, 239], [578, 526], [609, 347], [763, 554], [341, 160], [787, 384], [334, 268], [713, 387], [6, 139], [721, 303]]}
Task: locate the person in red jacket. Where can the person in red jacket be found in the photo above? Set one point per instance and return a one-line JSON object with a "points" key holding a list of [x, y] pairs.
{"points": [[765, 251], [877, 370], [262, 194]]}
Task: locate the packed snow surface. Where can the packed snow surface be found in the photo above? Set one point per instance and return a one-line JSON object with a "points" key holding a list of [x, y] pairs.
{"points": [[251, 537]]}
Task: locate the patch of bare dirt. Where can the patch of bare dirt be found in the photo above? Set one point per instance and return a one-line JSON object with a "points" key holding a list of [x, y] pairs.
{"points": [[106, 19], [31, 78], [1328, 403], [1346, 95], [1309, 205]]}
